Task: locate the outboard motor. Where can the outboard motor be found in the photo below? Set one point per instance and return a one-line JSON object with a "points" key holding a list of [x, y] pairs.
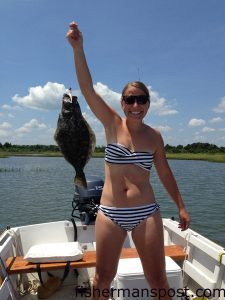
{"points": [[86, 201]]}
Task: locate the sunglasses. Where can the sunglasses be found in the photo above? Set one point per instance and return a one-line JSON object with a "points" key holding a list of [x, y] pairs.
{"points": [[141, 99]]}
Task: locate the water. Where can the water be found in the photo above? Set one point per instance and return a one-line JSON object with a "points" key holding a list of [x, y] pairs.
{"points": [[40, 189]]}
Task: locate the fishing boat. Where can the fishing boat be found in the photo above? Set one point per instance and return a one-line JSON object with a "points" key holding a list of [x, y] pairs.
{"points": [[195, 265]]}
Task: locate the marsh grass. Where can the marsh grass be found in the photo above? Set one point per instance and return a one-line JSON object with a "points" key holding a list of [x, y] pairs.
{"points": [[6, 154], [3, 170], [212, 157]]}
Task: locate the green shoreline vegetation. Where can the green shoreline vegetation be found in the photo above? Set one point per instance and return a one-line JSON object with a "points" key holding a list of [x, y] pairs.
{"points": [[195, 151]]}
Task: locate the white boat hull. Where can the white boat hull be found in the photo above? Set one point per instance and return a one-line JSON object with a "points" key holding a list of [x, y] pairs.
{"points": [[204, 269]]}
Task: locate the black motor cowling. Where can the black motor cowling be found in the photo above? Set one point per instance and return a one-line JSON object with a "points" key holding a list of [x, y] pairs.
{"points": [[86, 201]]}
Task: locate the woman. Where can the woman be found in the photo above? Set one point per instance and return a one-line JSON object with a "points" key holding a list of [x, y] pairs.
{"points": [[132, 149]]}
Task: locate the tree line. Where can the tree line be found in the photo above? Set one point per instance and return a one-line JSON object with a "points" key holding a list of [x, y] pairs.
{"points": [[190, 148], [195, 148]]}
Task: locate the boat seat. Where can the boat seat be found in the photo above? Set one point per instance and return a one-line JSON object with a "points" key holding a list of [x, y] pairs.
{"points": [[18, 265]]}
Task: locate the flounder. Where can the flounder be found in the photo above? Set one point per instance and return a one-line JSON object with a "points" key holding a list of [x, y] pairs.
{"points": [[74, 137]]}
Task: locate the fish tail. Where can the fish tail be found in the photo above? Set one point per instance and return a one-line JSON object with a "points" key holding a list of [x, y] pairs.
{"points": [[80, 180]]}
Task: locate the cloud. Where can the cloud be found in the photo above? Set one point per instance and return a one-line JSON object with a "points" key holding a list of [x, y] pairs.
{"points": [[163, 128], [91, 119], [207, 129], [29, 126], [96, 126], [11, 116], [5, 129], [5, 125], [200, 138], [111, 97], [160, 105], [3, 133], [216, 120], [196, 122], [9, 107], [46, 98], [221, 106]]}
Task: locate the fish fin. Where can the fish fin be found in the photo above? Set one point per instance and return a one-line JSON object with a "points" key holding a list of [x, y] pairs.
{"points": [[80, 180]]}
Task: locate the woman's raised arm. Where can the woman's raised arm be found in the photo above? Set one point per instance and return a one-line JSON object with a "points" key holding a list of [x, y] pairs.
{"points": [[102, 111]]}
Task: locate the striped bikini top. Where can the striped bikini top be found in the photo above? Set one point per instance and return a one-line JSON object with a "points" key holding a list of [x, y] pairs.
{"points": [[118, 154]]}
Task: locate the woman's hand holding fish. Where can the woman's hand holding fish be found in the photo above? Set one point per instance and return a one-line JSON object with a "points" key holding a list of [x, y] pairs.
{"points": [[74, 36]]}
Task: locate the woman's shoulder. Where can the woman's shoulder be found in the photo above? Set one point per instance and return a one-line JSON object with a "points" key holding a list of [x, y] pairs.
{"points": [[154, 132], [155, 137]]}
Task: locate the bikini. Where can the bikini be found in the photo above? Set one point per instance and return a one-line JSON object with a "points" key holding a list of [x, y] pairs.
{"points": [[128, 218], [116, 153]]}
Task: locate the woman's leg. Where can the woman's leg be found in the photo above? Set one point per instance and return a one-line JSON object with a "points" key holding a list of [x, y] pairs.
{"points": [[109, 242], [149, 241]]}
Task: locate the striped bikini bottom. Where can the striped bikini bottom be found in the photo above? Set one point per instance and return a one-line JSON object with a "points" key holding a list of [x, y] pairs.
{"points": [[129, 218]]}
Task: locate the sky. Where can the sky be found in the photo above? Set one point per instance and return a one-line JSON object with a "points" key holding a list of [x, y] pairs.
{"points": [[177, 48]]}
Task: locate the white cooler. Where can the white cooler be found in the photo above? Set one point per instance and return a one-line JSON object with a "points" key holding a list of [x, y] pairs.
{"points": [[130, 282]]}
